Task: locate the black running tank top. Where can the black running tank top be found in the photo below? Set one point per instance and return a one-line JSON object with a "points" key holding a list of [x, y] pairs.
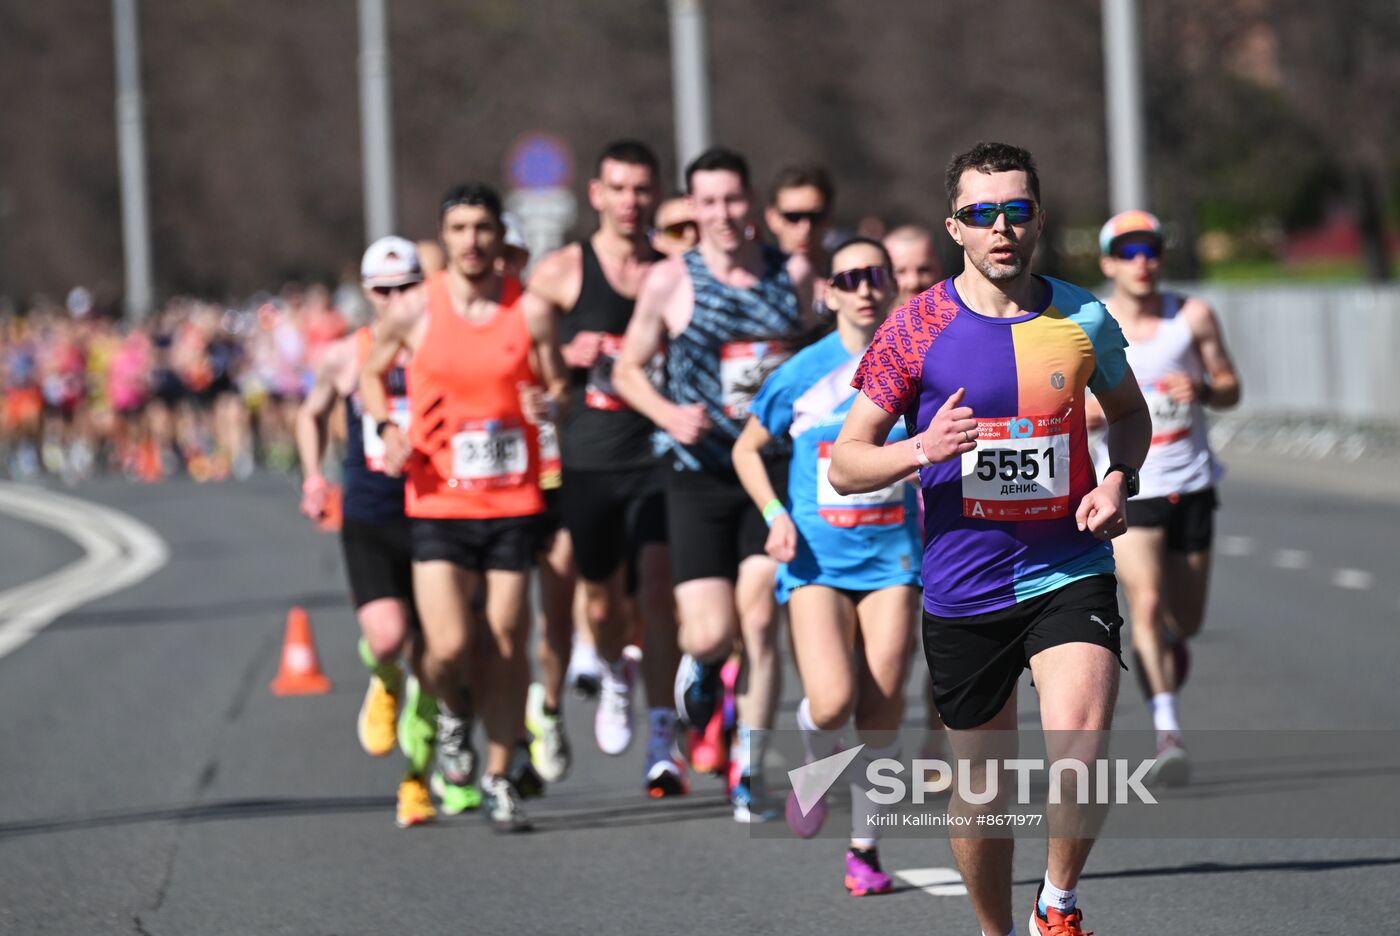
{"points": [[370, 495], [601, 431]]}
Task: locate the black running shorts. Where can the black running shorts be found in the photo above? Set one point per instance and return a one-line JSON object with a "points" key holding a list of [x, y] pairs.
{"points": [[1189, 518], [378, 560], [976, 661], [551, 521], [713, 525], [508, 544], [611, 514]]}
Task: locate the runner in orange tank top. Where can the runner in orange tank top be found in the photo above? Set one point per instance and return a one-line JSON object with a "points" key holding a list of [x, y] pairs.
{"points": [[471, 456]]}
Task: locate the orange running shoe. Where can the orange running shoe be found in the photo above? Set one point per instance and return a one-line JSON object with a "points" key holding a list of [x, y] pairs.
{"points": [[1052, 922], [415, 805], [377, 725]]}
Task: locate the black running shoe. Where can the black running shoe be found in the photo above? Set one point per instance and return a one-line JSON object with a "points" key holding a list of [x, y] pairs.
{"points": [[697, 691], [523, 776]]}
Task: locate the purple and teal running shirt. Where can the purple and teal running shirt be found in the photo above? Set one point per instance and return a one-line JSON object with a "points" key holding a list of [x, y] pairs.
{"points": [[999, 523]]}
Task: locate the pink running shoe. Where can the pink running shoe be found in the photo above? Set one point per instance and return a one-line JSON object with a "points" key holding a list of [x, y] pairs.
{"points": [[729, 678], [804, 826], [709, 752], [863, 874]]}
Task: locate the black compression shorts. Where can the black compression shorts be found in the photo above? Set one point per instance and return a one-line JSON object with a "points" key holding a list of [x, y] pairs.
{"points": [[378, 560], [713, 525], [551, 521], [610, 515]]}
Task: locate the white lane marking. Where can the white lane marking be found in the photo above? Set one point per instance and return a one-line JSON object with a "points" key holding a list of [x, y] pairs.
{"points": [[1236, 545], [940, 882], [118, 552], [1291, 559], [1357, 579]]}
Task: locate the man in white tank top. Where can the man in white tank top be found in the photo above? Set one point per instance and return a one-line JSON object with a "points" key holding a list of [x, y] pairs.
{"points": [[1177, 352]]}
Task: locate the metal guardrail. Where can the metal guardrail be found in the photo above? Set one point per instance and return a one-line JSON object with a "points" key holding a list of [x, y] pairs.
{"points": [[1314, 353], [1320, 366]]}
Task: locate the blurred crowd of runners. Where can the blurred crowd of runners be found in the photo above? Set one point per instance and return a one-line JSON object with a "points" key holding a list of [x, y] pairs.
{"points": [[199, 387]]}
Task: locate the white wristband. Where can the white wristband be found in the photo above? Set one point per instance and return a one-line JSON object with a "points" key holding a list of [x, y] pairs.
{"points": [[919, 451]]}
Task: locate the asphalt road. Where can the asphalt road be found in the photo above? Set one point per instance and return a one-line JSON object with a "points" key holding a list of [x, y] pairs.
{"points": [[150, 783], [28, 551]]}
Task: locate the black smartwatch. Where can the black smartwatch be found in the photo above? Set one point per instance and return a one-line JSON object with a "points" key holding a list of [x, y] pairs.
{"points": [[1130, 477], [383, 424]]}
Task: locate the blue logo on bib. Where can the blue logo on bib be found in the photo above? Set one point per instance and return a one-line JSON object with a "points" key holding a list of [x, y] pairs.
{"points": [[1021, 428]]}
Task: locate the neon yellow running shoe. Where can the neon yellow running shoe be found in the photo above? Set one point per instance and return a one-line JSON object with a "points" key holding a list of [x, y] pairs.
{"points": [[417, 727], [549, 746], [415, 805], [456, 799]]}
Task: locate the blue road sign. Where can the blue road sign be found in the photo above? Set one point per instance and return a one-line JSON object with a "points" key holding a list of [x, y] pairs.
{"points": [[540, 161]]}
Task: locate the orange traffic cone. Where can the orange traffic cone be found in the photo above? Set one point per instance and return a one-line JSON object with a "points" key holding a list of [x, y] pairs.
{"points": [[300, 673]]}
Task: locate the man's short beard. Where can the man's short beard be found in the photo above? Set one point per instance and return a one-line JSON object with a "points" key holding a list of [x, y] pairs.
{"points": [[999, 273]]}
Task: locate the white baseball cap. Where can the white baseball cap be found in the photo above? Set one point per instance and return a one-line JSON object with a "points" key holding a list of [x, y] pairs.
{"points": [[391, 261], [515, 232]]}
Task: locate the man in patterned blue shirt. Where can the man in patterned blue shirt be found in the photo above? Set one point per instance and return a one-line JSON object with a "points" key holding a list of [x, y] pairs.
{"points": [[723, 311]]}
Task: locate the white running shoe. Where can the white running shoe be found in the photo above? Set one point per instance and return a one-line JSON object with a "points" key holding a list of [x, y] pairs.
{"points": [[456, 758], [549, 746], [665, 776], [503, 808], [585, 671], [1173, 766], [612, 726]]}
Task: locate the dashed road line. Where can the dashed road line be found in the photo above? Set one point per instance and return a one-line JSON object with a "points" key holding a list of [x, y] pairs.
{"points": [[1236, 546], [939, 882], [1355, 579], [1296, 560]]}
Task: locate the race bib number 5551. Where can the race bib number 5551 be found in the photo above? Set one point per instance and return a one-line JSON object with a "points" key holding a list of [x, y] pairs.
{"points": [[1019, 470]]}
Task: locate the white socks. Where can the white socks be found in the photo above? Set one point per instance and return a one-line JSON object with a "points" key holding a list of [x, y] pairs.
{"points": [[750, 744], [1052, 896], [815, 742], [1164, 712]]}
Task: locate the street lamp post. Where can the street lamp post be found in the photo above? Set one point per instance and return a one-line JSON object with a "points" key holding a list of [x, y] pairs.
{"points": [[1122, 53], [131, 161], [376, 121], [690, 81]]}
